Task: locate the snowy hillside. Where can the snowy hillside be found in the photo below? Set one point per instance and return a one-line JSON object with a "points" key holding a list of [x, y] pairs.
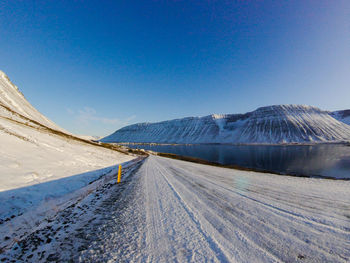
{"points": [[34, 151], [12, 101], [272, 124], [342, 115], [89, 137]]}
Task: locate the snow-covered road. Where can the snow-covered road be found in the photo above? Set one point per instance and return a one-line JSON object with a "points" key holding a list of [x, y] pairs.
{"points": [[197, 213], [175, 211]]}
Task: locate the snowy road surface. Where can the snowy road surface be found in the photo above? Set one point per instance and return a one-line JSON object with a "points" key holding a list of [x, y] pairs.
{"points": [[175, 211]]}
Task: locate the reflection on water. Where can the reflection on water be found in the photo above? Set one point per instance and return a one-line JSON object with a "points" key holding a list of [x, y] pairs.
{"points": [[325, 160]]}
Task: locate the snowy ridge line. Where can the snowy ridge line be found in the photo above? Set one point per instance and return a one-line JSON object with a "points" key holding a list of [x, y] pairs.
{"points": [[4, 76], [9, 131], [342, 115], [49, 130], [21, 117], [15, 100], [277, 124], [25, 121], [28, 222], [41, 126]]}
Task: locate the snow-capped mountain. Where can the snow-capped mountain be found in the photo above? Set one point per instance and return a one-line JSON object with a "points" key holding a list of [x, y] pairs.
{"points": [[272, 124], [342, 115]]}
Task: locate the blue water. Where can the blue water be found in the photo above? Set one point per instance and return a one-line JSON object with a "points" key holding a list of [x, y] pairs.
{"points": [[331, 160]]}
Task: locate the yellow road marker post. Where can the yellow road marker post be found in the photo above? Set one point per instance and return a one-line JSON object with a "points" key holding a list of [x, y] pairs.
{"points": [[119, 174]]}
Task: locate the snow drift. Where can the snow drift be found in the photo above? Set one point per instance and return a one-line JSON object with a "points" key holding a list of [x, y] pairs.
{"points": [[272, 124]]}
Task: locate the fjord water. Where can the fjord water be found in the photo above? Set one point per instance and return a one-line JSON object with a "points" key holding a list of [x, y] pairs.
{"points": [[328, 160]]}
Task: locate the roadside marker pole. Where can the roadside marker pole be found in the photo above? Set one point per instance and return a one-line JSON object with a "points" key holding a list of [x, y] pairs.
{"points": [[119, 173]]}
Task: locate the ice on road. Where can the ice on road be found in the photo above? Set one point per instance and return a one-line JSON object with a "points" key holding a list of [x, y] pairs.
{"points": [[175, 211]]}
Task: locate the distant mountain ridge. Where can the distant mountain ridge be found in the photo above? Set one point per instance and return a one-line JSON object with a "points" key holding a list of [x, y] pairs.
{"points": [[271, 125], [342, 115]]}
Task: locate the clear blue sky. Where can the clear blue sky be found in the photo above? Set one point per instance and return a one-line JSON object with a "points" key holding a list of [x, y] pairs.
{"points": [[95, 66]]}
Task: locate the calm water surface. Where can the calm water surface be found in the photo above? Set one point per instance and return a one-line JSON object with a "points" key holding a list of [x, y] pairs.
{"points": [[317, 160]]}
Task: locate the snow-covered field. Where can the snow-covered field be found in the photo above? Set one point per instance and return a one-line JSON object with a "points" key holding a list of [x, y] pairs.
{"points": [[175, 211], [33, 156], [40, 161]]}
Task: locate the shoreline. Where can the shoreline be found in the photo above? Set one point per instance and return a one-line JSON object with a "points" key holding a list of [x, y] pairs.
{"points": [[230, 144], [238, 167]]}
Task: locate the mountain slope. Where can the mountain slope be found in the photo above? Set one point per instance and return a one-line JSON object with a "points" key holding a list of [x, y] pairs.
{"points": [[272, 124], [342, 115], [13, 101], [35, 150]]}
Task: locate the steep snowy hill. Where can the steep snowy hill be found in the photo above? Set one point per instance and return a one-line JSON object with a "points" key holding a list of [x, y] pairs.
{"points": [[12, 101], [342, 115], [272, 124], [35, 150]]}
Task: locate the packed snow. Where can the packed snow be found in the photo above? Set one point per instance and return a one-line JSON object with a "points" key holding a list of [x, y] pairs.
{"points": [[175, 211], [272, 124]]}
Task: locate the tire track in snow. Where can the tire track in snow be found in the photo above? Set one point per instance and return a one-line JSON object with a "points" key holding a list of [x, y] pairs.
{"points": [[293, 217], [274, 209], [173, 234], [253, 224], [216, 226], [335, 255], [213, 244], [153, 216]]}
